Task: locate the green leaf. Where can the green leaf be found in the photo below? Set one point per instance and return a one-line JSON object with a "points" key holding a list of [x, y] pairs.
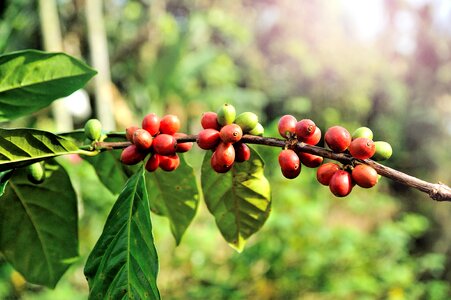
{"points": [[31, 80], [4, 177], [124, 262], [175, 196], [240, 200], [21, 147], [38, 225]]}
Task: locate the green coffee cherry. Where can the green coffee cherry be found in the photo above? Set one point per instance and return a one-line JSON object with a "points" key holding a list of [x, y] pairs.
{"points": [[247, 121], [364, 132], [226, 114], [383, 151], [257, 130], [36, 173], [93, 129]]}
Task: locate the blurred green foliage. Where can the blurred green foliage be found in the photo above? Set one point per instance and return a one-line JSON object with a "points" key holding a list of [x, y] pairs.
{"points": [[274, 58]]}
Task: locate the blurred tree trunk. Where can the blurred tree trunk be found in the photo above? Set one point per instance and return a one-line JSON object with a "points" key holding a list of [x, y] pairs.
{"points": [[100, 61], [51, 34]]}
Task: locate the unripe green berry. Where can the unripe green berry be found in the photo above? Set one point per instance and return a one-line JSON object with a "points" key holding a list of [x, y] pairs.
{"points": [[383, 151], [364, 132], [257, 130], [247, 121], [93, 129], [36, 173], [226, 114]]}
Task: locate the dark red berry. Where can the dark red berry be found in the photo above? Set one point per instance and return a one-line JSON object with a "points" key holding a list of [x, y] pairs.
{"points": [[218, 166], [341, 183], [208, 139], [362, 148], [164, 144], [325, 172], [289, 163], [142, 139], [169, 163], [305, 129], [129, 131], [337, 138], [153, 162], [169, 124], [231, 133], [287, 125], [310, 160], [365, 176], [182, 147], [210, 120], [151, 123], [225, 154], [242, 152], [132, 155], [314, 139]]}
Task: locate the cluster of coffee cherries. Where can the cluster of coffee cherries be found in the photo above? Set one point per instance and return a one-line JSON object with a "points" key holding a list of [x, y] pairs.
{"points": [[158, 139], [222, 133]]}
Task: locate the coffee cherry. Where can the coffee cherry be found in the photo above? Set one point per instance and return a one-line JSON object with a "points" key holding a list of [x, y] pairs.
{"points": [[383, 151], [337, 138], [365, 176], [208, 139], [310, 160], [182, 147], [169, 163], [231, 133], [164, 144], [36, 173], [132, 155], [169, 124], [289, 163], [258, 130], [93, 129], [142, 139], [341, 183], [287, 125], [151, 123], [314, 139], [129, 131], [225, 154], [218, 166], [362, 132], [242, 152], [305, 129], [210, 120], [325, 172], [153, 162], [362, 148], [247, 121], [226, 114]]}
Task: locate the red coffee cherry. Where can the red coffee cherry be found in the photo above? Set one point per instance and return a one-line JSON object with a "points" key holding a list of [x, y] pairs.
{"points": [[242, 152], [314, 139], [310, 160], [362, 148], [325, 172], [218, 166], [341, 183], [337, 138], [289, 163], [209, 119], [182, 147], [132, 155], [153, 162], [225, 154], [305, 129], [142, 139], [169, 163], [164, 144], [231, 133], [151, 123], [169, 124], [129, 131], [287, 125], [365, 176], [208, 139]]}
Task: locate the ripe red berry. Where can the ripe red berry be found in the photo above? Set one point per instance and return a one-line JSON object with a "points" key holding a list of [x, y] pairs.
{"points": [[225, 154], [289, 163], [242, 152], [365, 176], [314, 139], [310, 160], [325, 172], [129, 131], [132, 155], [153, 162], [151, 123], [169, 124], [341, 183], [337, 138], [218, 166], [164, 144], [231, 133], [305, 129], [142, 139], [208, 139], [169, 163], [287, 125], [362, 148], [182, 147], [210, 120]]}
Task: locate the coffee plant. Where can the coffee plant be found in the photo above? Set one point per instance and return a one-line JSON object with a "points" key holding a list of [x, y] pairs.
{"points": [[145, 166]]}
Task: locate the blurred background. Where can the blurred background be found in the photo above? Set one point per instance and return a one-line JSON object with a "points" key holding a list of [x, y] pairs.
{"points": [[383, 64]]}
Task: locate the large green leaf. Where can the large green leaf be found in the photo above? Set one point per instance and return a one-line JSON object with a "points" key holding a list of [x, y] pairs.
{"points": [[175, 196], [240, 200], [124, 262], [23, 146], [31, 80], [38, 225]]}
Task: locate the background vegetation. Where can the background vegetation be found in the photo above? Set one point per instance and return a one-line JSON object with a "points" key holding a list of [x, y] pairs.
{"points": [[383, 64]]}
